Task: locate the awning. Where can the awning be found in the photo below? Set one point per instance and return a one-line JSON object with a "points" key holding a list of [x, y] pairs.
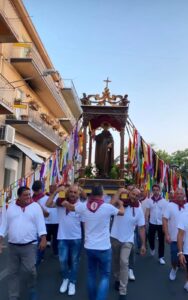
{"points": [[29, 153]]}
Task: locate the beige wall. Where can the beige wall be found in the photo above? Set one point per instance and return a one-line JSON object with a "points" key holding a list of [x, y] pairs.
{"points": [[27, 166]]}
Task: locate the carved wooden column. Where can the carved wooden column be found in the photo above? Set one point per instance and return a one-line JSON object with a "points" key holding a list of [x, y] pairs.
{"points": [[122, 134], [84, 152], [90, 148]]}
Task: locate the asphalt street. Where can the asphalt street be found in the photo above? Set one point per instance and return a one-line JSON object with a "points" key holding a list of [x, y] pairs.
{"points": [[151, 283]]}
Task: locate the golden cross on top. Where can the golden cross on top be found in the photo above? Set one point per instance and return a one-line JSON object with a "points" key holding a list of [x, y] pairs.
{"points": [[107, 81]]}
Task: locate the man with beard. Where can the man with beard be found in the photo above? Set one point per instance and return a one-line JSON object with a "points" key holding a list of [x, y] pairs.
{"points": [[122, 237], [24, 222], [68, 236]]}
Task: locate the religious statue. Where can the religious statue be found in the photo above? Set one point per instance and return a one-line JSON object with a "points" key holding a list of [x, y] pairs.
{"points": [[104, 152]]}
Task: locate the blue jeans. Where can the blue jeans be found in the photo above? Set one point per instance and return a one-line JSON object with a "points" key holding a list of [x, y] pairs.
{"points": [[98, 259], [69, 255], [174, 252], [137, 238]]}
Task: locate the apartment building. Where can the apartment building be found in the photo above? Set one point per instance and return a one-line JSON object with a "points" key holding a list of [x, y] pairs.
{"points": [[37, 108]]}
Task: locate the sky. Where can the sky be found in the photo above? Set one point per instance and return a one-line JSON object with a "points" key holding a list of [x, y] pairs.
{"points": [[141, 45]]}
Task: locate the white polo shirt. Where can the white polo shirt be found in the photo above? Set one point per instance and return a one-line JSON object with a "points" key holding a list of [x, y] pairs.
{"points": [[156, 210], [123, 226], [183, 224], [69, 225], [53, 213], [144, 205], [97, 225], [23, 226], [173, 214]]}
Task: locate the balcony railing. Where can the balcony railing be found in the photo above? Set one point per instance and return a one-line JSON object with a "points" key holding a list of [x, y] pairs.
{"points": [[30, 52], [68, 84], [34, 120], [6, 93]]}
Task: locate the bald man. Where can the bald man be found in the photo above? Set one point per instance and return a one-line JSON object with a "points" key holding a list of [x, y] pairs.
{"points": [[69, 237]]}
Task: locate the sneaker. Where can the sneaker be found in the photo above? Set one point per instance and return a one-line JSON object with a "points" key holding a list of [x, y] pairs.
{"points": [[186, 286], [152, 252], [71, 290], [48, 244], [172, 275], [162, 261], [131, 275], [64, 286]]}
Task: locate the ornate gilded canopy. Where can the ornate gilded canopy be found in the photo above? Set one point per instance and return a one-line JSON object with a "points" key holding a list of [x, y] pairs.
{"points": [[105, 108]]}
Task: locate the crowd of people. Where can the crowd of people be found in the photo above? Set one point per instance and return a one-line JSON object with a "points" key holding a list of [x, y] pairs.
{"points": [[111, 228]]}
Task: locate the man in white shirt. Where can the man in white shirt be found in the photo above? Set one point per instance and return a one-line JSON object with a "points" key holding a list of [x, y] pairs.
{"points": [[68, 236], [122, 236], [96, 215], [143, 199], [171, 217], [24, 222], [182, 241], [52, 222], [40, 197], [154, 211]]}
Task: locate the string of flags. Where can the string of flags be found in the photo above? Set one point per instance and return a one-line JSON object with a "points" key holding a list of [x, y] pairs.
{"points": [[147, 167], [61, 167]]}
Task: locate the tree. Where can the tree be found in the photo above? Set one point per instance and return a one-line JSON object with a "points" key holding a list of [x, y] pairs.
{"points": [[165, 156], [177, 160], [180, 160]]}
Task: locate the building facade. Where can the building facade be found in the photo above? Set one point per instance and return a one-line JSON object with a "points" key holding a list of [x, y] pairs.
{"points": [[37, 108]]}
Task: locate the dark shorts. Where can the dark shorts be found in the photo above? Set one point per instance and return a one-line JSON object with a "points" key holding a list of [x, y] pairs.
{"points": [[174, 252]]}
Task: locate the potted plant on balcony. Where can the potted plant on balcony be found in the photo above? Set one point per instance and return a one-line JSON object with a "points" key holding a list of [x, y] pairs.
{"points": [[49, 121], [61, 133], [24, 117], [43, 116], [17, 101], [34, 105], [56, 125]]}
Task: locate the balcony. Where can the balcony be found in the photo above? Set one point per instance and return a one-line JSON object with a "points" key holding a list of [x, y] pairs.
{"points": [[33, 127], [30, 66], [66, 123], [70, 95], [6, 96], [8, 31]]}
